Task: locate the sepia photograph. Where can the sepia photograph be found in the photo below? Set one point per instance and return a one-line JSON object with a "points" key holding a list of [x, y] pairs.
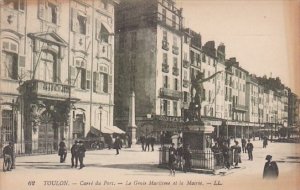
{"points": [[149, 94]]}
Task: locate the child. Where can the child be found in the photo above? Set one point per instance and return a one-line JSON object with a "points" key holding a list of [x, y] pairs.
{"points": [[172, 163]]}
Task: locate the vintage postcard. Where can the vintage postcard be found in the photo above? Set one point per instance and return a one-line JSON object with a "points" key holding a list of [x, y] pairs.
{"points": [[149, 94]]}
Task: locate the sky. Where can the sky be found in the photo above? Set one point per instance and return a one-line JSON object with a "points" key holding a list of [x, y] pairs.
{"points": [[257, 33]]}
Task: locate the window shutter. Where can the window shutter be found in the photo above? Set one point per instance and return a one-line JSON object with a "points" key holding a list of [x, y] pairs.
{"points": [[88, 25], [88, 79], [72, 75], [41, 10], [58, 12], [110, 84], [161, 106], [21, 61], [36, 45], [96, 82], [98, 29], [168, 108], [74, 20]]}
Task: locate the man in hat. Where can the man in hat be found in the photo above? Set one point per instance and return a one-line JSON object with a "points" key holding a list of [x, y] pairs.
{"points": [[62, 151], [8, 154], [81, 153], [249, 148], [237, 153], [74, 154], [271, 169]]}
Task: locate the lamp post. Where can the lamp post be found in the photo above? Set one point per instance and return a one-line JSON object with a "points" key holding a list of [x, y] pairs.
{"points": [[100, 111]]}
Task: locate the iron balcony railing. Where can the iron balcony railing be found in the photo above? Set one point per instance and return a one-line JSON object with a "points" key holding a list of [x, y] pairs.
{"points": [[175, 71], [175, 50], [185, 83], [165, 68], [165, 45], [171, 94]]}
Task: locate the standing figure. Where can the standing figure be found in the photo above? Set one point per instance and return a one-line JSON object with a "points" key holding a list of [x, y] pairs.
{"points": [[244, 142], [225, 152], [74, 154], [250, 150], [271, 169], [117, 145], [152, 142], [62, 151], [180, 156], [147, 143], [265, 142], [216, 150], [172, 162], [129, 141], [143, 139], [81, 153], [187, 156], [237, 153], [8, 154], [162, 139]]}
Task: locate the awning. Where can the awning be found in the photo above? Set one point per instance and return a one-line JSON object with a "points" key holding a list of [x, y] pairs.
{"points": [[97, 132], [116, 129]]}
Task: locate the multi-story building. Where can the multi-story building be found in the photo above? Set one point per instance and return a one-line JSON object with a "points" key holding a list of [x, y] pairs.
{"points": [[56, 71], [149, 56], [252, 100], [239, 108]]}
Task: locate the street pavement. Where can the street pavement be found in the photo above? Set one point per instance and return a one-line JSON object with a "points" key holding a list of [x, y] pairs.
{"points": [[135, 169]]}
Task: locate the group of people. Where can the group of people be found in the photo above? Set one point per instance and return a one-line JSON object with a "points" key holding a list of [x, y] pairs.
{"points": [[180, 157], [146, 142], [77, 153]]}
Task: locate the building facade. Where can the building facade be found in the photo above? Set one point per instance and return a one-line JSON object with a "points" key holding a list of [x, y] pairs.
{"points": [[56, 71]]}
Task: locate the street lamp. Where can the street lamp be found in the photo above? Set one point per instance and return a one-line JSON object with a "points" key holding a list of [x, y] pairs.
{"points": [[100, 111]]}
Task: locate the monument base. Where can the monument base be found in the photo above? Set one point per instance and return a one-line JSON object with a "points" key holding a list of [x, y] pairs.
{"points": [[132, 133]]}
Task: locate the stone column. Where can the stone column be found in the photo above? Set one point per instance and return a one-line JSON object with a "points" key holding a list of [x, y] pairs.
{"points": [[131, 128]]}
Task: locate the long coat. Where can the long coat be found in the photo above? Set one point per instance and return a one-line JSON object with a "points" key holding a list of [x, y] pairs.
{"points": [[271, 170]]}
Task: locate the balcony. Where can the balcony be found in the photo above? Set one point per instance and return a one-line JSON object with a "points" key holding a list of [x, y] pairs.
{"points": [[175, 50], [240, 107], [186, 64], [175, 71], [165, 45], [165, 68], [185, 83], [48, 90], [170, 94]]}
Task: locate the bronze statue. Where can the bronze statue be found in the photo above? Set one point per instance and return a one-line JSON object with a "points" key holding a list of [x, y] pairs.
{"points": [[195, 105]]}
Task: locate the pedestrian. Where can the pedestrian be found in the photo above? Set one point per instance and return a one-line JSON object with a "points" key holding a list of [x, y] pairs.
{"points": [[225, 152], [271, 170], [74, 154], [147, 143], [109, 142], [8, 154], [244, 142], [81, 153], [62, 151], [237, 153], [216, 150], [117, 145], [179, 152], [187, 156], [143, 139], [172, 162], [249, 148], [152, 142], [162, 139], [265, 142]]}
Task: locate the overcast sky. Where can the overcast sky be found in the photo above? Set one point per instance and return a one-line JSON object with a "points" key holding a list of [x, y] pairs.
{"points": [[254, 32]]}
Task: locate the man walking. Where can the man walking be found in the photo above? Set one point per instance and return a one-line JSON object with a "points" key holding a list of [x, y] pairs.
{"points": [[117, 145], [8, 154], [142, 139], [237, 153], [187, 156], [265, 142], [81, 154], [225, 152], [152, 141], [74, 154], [250, 150], [244, 142], [62, 151], [147, 143]]}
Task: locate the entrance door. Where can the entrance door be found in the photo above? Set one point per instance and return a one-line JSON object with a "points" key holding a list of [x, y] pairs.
{"points": [[46, 138]]}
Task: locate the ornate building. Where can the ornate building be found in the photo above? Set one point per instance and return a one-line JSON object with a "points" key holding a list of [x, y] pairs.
{"points": [[56, 71]]}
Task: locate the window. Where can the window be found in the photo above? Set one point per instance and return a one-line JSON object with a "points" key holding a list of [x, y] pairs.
{"points": [[175, 64], [165, 36], [15, 4], [203, 57], [165, 58], [8, 129], [175, 84], [185, 75], [82, 24], [175, 41], [104, 34], [165, 81], [209, 96], [185, 96], [165, 104], [174, 21], [185, 56], [52, 13], [175, 108], [47, 68], [164, 15], [9, 65]]}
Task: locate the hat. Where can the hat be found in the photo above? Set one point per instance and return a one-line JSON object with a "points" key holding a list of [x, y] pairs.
{"points": [[268, 157]]}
